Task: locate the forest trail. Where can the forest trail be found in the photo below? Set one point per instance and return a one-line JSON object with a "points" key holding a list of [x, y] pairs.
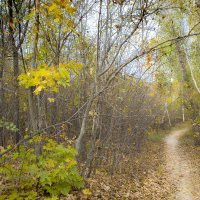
{"points": [[180, 168]]}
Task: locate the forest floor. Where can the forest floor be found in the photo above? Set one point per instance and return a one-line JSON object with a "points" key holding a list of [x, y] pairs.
{"points": [[166, 169]]}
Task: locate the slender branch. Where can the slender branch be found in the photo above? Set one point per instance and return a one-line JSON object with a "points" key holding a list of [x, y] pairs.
{"points": [[41, 131]]}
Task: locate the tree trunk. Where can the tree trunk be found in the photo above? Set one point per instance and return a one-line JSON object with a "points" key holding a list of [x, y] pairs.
{"points": [[185, 77], [2, 63], [15, 69], [34, 102], [83, 125], [16, 89], [192, 74]]}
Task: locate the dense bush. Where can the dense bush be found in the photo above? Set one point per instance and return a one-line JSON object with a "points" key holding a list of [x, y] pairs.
{"points": [[53, 173]]}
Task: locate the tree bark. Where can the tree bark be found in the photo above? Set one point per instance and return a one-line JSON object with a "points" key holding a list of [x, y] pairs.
{"points": [[15, 68], [2, 63], [192, 74], [34, 102], [79, 140]]}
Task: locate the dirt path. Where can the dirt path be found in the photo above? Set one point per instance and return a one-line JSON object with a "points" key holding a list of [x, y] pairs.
{"points": [[180, 168]]}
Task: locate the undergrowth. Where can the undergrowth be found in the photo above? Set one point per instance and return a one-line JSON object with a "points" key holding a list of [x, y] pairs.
{"points": [[50, 175], [156, 136], [188, 138]]}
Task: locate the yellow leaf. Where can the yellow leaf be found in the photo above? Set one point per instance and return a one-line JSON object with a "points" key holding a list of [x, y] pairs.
{"points": [[12, 25], [30, 15], [92, 113], [38, 89], [70, 23], [168, 100], [51, 100], [52, 7], [151, 94], [86, 192], [57, 20], [66, 30], [71, 10]]}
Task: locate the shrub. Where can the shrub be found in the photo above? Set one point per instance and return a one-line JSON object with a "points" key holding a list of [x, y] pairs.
{"points": [[53, 173], [154, 136]]}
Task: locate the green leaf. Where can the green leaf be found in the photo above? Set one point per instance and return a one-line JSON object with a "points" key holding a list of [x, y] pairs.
{"points": [[14, 195]]}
